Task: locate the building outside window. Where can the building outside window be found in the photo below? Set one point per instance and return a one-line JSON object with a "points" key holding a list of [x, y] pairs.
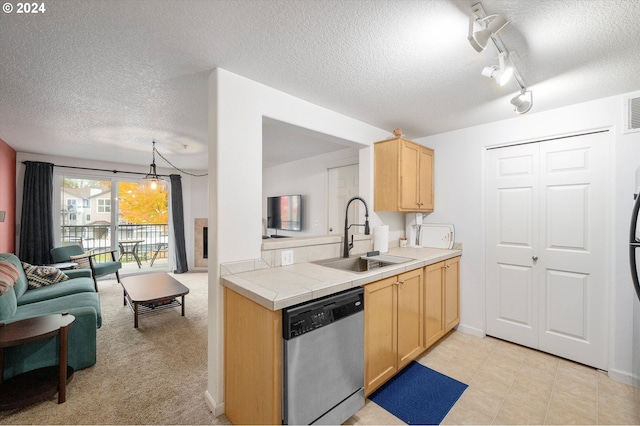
{"points": [[104, 205]]}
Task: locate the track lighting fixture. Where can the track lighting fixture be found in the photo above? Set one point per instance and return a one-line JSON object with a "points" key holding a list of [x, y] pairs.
{"points": [[501, 73], [523, 101]]}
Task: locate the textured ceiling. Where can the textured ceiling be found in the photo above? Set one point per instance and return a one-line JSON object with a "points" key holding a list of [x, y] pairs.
{"points": [[99, 79]]}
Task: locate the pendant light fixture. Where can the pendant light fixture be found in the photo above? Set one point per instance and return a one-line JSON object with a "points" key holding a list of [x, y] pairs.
{"points": [[152, 181]]}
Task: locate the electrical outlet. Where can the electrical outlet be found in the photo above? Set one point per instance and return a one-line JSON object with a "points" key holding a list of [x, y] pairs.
{"points": [[287, 257]]}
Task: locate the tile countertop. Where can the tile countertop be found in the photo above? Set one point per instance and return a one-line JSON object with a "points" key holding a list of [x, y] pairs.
{"points": [[284, 286]]}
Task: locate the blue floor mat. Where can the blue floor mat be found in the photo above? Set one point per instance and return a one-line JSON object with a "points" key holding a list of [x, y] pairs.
{"points": [[419, 395]]}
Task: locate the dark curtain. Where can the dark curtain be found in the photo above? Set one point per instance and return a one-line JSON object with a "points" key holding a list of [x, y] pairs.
{"points": [[177, 214], [36, 229]]}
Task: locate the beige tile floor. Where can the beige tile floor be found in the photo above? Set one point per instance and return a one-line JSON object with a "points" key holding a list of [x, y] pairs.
{"points": [[511, 384]]}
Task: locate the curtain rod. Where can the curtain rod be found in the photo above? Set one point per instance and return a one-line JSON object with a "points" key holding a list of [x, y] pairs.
{"points": [[103, 170]]}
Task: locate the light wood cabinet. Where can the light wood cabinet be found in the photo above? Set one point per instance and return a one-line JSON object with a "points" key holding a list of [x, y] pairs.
{"points": [[393, 326], [451, 293], [441, 299], [380, 332], [403, 176], [433, 303], [253, 361], [404, 315]]}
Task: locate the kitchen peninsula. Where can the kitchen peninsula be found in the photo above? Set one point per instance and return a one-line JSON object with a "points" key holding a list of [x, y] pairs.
{"points": [[254, 300]]}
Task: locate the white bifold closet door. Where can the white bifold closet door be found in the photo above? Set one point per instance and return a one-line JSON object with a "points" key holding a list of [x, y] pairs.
{"points": [[547, 236]]}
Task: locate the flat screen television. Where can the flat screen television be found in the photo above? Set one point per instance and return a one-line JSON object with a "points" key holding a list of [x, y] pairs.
{"points": [[285, 212]]}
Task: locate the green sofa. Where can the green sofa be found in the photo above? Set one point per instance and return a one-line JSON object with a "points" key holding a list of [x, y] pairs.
{"points": [[77, 296]]}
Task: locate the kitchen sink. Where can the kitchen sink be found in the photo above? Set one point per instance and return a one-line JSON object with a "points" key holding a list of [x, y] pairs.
{"points": [[352, 264], [359, 264]]}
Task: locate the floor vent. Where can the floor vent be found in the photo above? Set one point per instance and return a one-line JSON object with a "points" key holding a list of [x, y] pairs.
{"points": [[632, 115]]}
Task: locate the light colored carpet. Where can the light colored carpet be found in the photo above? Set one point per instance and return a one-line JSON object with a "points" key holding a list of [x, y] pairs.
{"points": [[155, 374]]}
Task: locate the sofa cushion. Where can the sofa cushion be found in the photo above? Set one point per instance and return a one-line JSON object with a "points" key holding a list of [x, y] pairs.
{"points": [[64, 253], [8, 305], [104, 268], [75, 273], [72, 286], [21, 285], [61, 304], [8, 276], [39, 276]]}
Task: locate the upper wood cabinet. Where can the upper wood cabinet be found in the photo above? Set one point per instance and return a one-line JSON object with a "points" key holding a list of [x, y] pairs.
{"points": [[403, 176]]}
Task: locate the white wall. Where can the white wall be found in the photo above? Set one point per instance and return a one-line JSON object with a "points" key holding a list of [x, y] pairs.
{"points": [[236, 108], [308, 177], [194, 189], [459, 199]]}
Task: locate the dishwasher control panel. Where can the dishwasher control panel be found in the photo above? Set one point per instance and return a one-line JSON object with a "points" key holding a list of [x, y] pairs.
{"points": [[306, 317]]}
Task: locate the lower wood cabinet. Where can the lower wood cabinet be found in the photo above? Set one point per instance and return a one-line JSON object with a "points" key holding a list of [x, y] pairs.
{"points": [[252, 361], [393, 326], [451, 293], [403, 314], [441, 299]]}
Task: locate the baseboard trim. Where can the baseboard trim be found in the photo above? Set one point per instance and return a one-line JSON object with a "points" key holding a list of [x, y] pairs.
{"points": [[216, 408], [470, 330], [624, 377]]}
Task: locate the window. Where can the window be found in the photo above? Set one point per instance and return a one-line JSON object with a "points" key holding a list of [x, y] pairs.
{"points": [[71, 204], [88, 206], [104, 205]]}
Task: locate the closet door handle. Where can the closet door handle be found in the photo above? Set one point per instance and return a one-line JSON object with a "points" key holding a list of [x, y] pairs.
{"points": [[535, 258]]}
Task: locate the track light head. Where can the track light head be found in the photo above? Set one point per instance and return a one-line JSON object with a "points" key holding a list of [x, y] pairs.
{"points": [[523, 102], [480, 38], [501, 73]]}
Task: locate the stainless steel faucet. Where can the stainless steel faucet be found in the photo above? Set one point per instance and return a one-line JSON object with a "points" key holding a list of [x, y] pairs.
{"points": [[349, 245]]}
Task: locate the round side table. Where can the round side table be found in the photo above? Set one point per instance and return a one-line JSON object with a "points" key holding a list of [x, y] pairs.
{"points": [[29, 387]]}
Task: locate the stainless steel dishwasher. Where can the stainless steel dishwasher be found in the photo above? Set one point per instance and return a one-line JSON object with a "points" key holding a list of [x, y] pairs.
{"points": [[323, 359]]}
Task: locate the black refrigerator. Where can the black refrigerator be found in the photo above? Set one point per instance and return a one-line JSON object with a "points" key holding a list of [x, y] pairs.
{"points": [[634, 238]]}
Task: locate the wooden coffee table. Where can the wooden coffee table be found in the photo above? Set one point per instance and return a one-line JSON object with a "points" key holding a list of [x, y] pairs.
{"points": [[150, 293]]}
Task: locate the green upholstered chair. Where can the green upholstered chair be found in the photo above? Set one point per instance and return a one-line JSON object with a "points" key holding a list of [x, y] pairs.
{"points": [[75, 253]]}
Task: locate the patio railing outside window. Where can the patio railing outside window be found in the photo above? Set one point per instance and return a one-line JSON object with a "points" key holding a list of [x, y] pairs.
{"points": [[98, 238]]}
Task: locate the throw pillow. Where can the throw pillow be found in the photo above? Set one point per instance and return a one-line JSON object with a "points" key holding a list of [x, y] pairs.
{"points": [[8, 276], [39, 276]]}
